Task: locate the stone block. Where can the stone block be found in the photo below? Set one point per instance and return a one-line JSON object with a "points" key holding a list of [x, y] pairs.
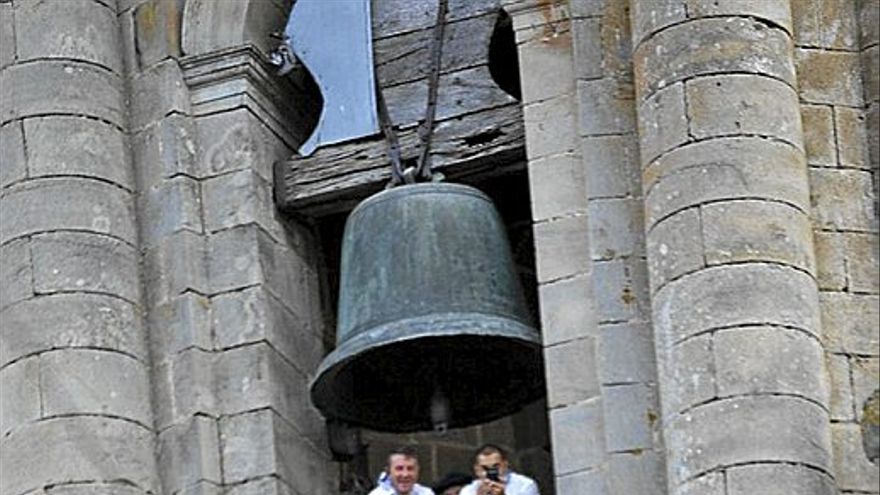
{"points": [[61, 87], [157, 31], [865, 377], [7, 35], [164, 150], [189, 453], [862, 262], [675, 247], [240, 198], [626, 354], [557, 186], [593, 481], [743, 104], [85, 262], [624, 290], [663, 124], [587, 45], [650, 16], [869, 23], [546, 55], [157, 92], [254, 315], [687, 372], [105, 449], [842, 199], [173, 206], [631, 414], [16, 272], [236, 140], [829, 77], [80, 147], [850, 322], [735, 431], [235, 258], [778, 479], [736, 295], [841, 401], [852, 469], [852, 142], [261, 486], [825, 23], [203, 488], [578, 436], [770, 360], [95, 488], [89, 205], [183, 322], [184, 387], [571, 372], [13, 164], [20, 382], [708, 484], [636, 472], [617, 228], [611, 166], [870, 73], [566, 310], [550, 127], [71, 29], [605, 107], [725, 168], [70, 321], [819, 139], [712, 46], [175, 265], [773, 11], [738, 231], [561, 248], [85, 381], [830, 260]]}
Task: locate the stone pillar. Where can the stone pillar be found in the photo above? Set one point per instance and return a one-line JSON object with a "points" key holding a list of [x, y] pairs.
{"points": [[744, 392], [74, 366]]}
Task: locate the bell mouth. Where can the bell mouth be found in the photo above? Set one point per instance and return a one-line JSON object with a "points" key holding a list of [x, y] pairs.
{"points": [[384, 379]]}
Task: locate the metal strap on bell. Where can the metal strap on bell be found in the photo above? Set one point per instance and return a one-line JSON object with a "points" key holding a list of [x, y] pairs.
{"points": [[433, 330]]}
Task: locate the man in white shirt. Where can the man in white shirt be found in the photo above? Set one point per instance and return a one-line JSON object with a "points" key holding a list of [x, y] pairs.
{"points": [[401, 474], [494, 476]]}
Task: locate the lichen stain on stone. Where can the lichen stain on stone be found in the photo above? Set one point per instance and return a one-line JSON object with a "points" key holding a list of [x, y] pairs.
{"points": [[870, 424], [627, 296], [557, 23]]}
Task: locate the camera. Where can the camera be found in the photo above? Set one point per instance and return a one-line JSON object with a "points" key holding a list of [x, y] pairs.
{"points": [[492, 473]]}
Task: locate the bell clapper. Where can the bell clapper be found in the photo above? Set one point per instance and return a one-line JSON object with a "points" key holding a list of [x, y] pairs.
{"points": [[439, 411]]}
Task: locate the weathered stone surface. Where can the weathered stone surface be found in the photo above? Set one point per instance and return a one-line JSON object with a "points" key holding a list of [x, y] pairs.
{"points": [[636, 472], [662, 123], [747, 294], [85, 381], [728, 168], [84, 262], [71, 320], [675, 247], [870, 73], [236, 140], [852, 469], [825, 23], [13, 165], [551, 126], [557, 186], [616, 228], [862, 262], [778, 479], [106, 449], [865, 374], [743, 104], [561, 248], [181, 323], [710, 46], [830, 260], [77, 146], [696, 444], [176, 265], [612, 166], [16, 272], [71, 29], [59, 87], [605, 107], [566, 309], [621, 289], [173, 206], [850, 322], [587, 46], [592, 481], [767, 360], [240, 198], [841, 401], [869, 24], [96, 488], [578, 437], [7, 35], [88, 205], [164, 150], [842, 199], [819, 139], [189, 453], [630, 415], [204, 488], [546, 55], [156, 92], [571, 372], [737, 231], [709, 484], [184, 387], [20, 383], [649, 16], [247, 24], [774, 11], [157, 31], [830, 77], [262, 486], [686, 372], [852, 143], [626, 354]]}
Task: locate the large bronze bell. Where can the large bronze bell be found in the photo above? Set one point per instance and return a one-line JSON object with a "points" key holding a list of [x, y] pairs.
{"points": [[433, 330]]}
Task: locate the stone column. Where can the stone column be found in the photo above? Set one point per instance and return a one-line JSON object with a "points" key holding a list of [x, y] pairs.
{"points": [[744, 392], [73, 361]]}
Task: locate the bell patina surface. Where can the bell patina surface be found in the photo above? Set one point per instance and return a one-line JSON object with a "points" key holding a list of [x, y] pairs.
{"points": [[433, 330]]}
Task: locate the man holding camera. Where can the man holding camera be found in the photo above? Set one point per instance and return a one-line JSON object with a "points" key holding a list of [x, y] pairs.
{"points": [[494, 476]]}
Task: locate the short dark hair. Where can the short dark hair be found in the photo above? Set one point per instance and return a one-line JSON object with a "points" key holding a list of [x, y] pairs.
{"points": [[404, 450], [489, 449]]}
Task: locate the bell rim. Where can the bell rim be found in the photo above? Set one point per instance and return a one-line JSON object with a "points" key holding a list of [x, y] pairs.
{"points": [[417, 189]]}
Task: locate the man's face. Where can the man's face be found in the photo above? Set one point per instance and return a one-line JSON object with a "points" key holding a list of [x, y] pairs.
{"points": [[452, 490], [404, 472], [489, 461]]}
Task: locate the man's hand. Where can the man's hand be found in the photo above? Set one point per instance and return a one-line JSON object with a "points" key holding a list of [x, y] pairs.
{"points": [[489, 487]]}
